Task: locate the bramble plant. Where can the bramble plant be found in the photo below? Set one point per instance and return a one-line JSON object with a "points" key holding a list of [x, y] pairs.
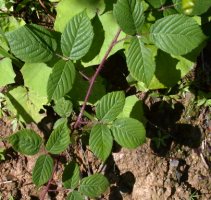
{"points": [[160, 40]]}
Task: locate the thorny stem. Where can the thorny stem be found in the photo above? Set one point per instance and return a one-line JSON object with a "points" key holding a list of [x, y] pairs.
{"points": [[92, 80], [45, 191]]}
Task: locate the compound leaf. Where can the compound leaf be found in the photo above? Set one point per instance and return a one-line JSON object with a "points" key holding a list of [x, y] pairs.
{"points": [[61, 79], [129, 15], [26, 141], [32, 43], [110, 106], [71, 175], [93, 185], [128, 132], [77, 37], [176, 34], [140, 61], [42, 171], [101, 141], [59, 139]]}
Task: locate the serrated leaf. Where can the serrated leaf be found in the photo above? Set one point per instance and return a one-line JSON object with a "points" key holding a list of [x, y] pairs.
{"points": [[129, 15], [176, 34], [63, 107], [101, 141], [77, 37], [75, 195], [26, 142], [7, 74], [59, 139], [93, 185], [128, 132], [42, 171], [71, 175], [59, 122], [110, 106], [156, 3], [32, 43], [140, 61], [61, 79]]}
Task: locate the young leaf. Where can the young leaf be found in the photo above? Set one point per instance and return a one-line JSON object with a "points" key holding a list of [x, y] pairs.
{"points": [[129, 15], [94, 185], [128, 132], [42, 171], [26, 141], [101, 141], [176, 34], [59, 139], [32, 43], [140, 61], [75, 195], [110, 106], [71, 175], [59, 122], [61, 79], [77, 37], [63, 107]]}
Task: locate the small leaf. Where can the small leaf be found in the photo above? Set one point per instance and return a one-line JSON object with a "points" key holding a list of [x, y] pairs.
{"points": [[75, 195], [43, 170], [59, 139], [101, 141], [77, 37], [26, 141], [63, 107], [59, 122], [71, 175], [32, 43], [140, 61], [176, 34], [129, 15], [61, 80], [93, 185], [110, 106], [128, 132]]}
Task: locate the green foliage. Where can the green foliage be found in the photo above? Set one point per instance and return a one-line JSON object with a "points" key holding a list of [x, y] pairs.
{"points": [[26, 142], [42, 171], [40, 68]]}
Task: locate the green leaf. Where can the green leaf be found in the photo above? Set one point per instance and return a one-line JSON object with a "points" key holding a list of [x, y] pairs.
{"points": [[107, 28], [75, 195], [36, 77], [71, 175], [67, 9], [156, 3], [77, 37], [7, 74], [176, 34], [26, 142], [128, 132], [43, 170], [93, 185], [140, 61], [32, 43], [59, 139], [61, 80], [101, 141], [25, 105], [129, 15], [63, 107], [133, 108], [110, 106], [198, 6]]}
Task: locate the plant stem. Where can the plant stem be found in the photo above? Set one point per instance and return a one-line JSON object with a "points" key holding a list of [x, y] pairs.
{"points": [[45, 191], [92, 80]]}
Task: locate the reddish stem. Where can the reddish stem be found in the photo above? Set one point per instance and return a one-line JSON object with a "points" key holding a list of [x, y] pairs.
{"points": [[92, 80]]}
